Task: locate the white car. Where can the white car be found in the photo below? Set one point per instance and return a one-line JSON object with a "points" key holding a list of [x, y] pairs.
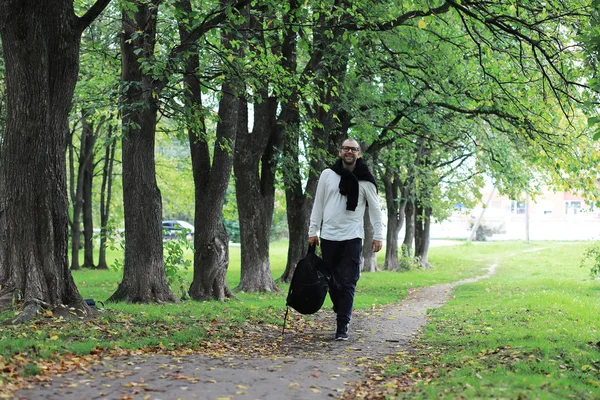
{"points": [[172, 227]]}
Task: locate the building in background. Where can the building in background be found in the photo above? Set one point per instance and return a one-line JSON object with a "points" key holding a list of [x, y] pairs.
{"points": [[551, 216]]}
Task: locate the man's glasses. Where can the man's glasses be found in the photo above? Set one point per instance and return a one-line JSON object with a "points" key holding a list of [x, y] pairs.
{"points": [[350, 148]]}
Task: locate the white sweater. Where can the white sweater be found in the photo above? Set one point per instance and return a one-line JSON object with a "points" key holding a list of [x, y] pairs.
{"points": [[330, 209]]}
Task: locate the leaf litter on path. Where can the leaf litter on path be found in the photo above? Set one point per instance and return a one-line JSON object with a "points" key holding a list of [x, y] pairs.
{"points": [[306, 363]]}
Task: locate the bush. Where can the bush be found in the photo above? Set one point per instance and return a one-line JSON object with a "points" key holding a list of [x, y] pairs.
{"points": [[592, 254]]}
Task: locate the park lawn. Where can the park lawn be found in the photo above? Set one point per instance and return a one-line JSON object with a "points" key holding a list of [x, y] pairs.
{"points": [[529, 330]]}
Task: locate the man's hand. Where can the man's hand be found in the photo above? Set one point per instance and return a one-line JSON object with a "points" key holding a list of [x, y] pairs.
{"points": [[377, 245], [313, 240]]}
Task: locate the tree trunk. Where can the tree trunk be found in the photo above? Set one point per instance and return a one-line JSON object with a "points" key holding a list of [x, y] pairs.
{"points": [[298, 205], [254, 167], [2, 103], [41, 42], [105, 196], [297, 230], [409, 232], [211, 243], [298, 200], [369, 257], [144, 276], [86, 197], [325, 135], [78, 186], [395, 219], [75, 192], [422, 228]]}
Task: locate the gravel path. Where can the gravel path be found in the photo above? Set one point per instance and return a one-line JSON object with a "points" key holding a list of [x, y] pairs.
{"points": [[305, 364]]}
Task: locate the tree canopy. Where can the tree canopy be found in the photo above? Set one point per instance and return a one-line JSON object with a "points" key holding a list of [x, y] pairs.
{"points": [[443, 96]]}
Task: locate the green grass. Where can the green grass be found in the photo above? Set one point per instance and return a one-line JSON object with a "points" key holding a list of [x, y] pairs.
{"points": [[529, 331]]}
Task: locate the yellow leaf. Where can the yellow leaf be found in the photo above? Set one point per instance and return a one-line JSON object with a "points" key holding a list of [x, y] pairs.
{"points": [[48, 314], [315, 390], [422, 24], [242, 387], [55, 337]]}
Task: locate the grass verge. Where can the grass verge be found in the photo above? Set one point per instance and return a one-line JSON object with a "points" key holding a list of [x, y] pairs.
{"points": [[529, 331]]}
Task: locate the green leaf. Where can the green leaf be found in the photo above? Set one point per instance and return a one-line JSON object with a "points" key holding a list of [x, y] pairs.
{"points": [[593, 120]]}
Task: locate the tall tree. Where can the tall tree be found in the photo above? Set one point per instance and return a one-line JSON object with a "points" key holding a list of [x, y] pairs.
{"points": [[106, 194], [144, 275], [320, 79], [147, 74], [255, 163], [254, 166], [95, 104], [298, 205], [211, 174], [2, 97], [41, 42]]}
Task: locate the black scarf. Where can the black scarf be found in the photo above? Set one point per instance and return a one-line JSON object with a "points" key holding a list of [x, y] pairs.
{"points": [[349, 180]]}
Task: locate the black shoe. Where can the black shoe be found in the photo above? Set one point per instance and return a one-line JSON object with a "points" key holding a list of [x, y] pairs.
{"points": [[342, 332]]}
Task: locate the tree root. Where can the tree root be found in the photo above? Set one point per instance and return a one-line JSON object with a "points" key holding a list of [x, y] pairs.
{"points": [[29, 310]]}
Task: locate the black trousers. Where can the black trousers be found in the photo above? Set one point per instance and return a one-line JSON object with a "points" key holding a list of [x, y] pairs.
{"points": [[343, 260]]}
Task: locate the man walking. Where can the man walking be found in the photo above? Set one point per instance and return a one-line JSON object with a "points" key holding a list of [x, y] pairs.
{"points": [[344, 192]]}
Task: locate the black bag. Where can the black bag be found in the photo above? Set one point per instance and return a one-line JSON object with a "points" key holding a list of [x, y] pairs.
{"points": [[310, 284], [93, 303]]}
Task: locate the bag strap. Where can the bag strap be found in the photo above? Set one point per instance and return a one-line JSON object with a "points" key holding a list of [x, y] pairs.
{"points": [[311, 249]]}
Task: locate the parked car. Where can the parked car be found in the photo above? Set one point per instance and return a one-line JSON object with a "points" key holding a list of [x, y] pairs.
{"points": [[173, 227]]}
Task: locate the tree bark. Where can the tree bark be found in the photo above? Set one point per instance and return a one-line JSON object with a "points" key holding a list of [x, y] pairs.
{"points": [[325, 135], [211, 243], [79, 185], [422, 228], [254, 165], [395, 219], [75, 194], [298, 205], [86, 196], [40, 41], [409, 232], [299, 200], [254, 168], [105, 196], [368, 255], [144, 276]]}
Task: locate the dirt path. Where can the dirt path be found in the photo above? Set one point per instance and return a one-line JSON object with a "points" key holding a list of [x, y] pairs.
{"points": [[305, 364]]}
